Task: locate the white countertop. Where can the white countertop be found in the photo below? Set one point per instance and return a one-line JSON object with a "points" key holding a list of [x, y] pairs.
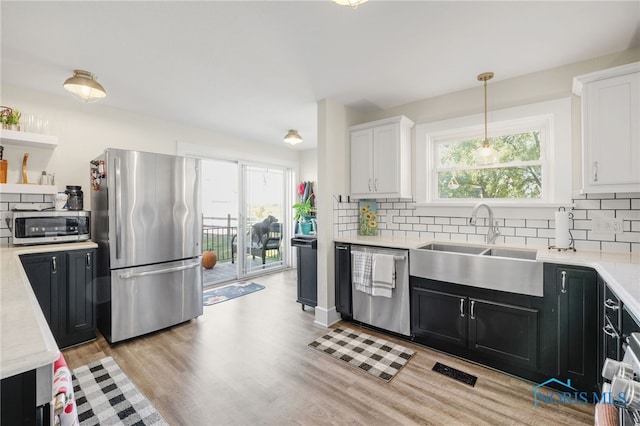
{"points": [[26, 342], [621, 271]]}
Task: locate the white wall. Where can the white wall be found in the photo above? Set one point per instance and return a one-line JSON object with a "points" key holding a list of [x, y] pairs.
{"points": [[85, 130]]}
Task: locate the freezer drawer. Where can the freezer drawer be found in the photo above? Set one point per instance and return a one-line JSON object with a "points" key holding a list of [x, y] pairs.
{"points": [[149, 298]]}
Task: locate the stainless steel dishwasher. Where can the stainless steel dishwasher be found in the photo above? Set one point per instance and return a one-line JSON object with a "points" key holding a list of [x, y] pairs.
{"points": [[388, 313]]}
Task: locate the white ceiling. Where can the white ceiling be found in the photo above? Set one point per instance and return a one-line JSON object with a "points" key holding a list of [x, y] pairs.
{"points": [[254, 69]]}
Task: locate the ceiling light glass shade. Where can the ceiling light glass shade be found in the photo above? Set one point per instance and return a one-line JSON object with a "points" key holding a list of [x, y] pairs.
{"points": [[485, 155], [293, 138], [85, 87], [353, 3]]}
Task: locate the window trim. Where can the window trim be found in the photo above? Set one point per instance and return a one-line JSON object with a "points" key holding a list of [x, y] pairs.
{"points": [[557, 176]]}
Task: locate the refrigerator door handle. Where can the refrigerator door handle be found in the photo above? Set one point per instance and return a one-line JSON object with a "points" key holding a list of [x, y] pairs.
{"points": [[118, 194], [158, 271]]}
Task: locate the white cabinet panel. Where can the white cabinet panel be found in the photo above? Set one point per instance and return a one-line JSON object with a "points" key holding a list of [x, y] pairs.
{"points": [[610, 129], [381, 159]]}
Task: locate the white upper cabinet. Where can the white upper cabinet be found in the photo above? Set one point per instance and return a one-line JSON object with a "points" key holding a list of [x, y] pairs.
{"points": [[610, 129], [381, 159]]}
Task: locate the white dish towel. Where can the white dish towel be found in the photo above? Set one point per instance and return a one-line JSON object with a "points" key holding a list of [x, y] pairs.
{"points": [[361, 271], [383, 267]]}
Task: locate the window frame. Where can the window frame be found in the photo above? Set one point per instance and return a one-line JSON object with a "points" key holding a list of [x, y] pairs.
{"points": [[552, 118]]}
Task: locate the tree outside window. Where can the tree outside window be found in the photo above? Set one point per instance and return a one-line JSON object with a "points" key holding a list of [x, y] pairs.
{"points": [[517, 175]]}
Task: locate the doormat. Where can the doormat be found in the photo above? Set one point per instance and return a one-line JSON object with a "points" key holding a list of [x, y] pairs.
{"points": [[455, 374], [105, 396], [378, 357], [228, 292]]}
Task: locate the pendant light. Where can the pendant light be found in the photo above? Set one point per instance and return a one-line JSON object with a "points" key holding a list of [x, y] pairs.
{"points": [[85, 87], [293, 138], [485, 155], [352, 3]]}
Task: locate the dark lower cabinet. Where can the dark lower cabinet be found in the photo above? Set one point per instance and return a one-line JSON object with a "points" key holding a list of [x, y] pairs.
{"points": [[64, 284], [495, 328], [343, 279], [572, 295]]}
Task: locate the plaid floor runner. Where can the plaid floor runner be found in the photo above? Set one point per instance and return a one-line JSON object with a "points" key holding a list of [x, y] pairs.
{"points": [[105, 396]]}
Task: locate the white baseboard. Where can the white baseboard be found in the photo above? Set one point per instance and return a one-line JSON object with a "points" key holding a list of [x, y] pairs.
{"points": [[327, 317]]}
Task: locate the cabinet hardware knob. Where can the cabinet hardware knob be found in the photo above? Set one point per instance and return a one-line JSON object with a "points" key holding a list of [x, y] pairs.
{"points": [[375, 184], [369, 184], [462, 307], [610, 331], [54, 265], [472, 314], [595, 171], [342, 247], [610, 304], [88, 260], [563, 290]]}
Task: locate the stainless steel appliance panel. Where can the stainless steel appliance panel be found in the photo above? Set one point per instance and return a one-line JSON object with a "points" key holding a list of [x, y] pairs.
{"points": [[154, 208], [387, 313], [149, 298]]}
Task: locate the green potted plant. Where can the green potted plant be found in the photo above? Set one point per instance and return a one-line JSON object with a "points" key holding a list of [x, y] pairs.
{"points": [[303, 211]]}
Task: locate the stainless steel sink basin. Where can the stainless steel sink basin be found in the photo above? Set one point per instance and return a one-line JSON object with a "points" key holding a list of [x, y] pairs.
{"points": [[453, 248], [511, 253], [494, 268]]}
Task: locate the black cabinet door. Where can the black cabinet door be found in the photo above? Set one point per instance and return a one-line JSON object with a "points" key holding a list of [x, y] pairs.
{"points": [[439, 319], [307, 276], [343, 279], [76, 296], [577, 295], [45, 272], [505, 333]]}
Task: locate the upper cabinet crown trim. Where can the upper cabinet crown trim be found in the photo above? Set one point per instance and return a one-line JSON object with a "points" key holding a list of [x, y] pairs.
{"points": [[35, 140], [580, 80], [398, 119]]}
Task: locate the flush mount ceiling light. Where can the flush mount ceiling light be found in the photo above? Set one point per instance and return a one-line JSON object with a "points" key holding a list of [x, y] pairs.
{"points": [[485, 155], [85, 87], [352, 3], [293, 138]]}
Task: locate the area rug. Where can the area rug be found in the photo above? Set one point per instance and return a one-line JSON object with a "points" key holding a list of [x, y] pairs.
{"points": [[228, 292], [105, 396], [378, 357]]}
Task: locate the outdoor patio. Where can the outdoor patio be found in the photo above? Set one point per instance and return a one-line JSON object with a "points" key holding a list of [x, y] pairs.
{"points": [[226, 271]]}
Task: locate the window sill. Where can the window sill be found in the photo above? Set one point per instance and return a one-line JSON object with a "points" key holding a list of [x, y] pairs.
{"points": [[503, 211]]}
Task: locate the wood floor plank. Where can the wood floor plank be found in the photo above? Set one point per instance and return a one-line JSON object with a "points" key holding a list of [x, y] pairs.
{"points": [[247, 361]]}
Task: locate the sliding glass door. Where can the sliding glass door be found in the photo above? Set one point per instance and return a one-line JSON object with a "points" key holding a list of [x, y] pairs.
{"points": [[263, 219]]}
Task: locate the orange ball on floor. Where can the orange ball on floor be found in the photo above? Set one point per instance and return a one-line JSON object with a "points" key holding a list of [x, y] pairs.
{"points": [[209, 259]]}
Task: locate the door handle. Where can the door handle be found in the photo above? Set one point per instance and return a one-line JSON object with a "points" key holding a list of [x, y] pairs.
{"points": [[461, 307], [342, 247], [118, 194], [595, 171], [375, 184], [472, 314], [54, 265], [563, 289], [88, 260], [158, 271], [369, 184]]}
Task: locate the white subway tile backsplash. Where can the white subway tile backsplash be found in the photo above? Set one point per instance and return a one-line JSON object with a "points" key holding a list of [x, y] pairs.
{"points": [[624, 204], [516, 223], [9, 198], [398, 218], [606, 245], [587, 204]]}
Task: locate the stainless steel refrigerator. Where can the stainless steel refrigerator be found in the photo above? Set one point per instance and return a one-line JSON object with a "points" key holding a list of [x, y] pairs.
{"points": [[147, 223]]}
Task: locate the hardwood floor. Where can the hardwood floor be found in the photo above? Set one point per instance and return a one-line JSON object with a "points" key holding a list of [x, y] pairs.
{"points": [[246, 361]]}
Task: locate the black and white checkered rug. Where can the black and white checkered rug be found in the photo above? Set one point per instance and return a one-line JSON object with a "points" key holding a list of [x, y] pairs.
{"points": [[376, 356], [105, 396]]}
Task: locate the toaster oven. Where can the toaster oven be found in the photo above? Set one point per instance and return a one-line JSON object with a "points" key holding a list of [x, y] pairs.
{"points": [[45, 227]]}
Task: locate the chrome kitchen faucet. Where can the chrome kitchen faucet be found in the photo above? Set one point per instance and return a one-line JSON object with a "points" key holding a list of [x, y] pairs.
{"points": [[493, 232]]}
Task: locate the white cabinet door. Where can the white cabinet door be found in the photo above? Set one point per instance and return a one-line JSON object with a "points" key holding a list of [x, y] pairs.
{"points": [[381, 159], [362, 162], [611, 133], [385, 159]]}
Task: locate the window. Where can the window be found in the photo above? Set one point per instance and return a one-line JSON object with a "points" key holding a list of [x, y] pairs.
{"points": [[534, 157]]}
